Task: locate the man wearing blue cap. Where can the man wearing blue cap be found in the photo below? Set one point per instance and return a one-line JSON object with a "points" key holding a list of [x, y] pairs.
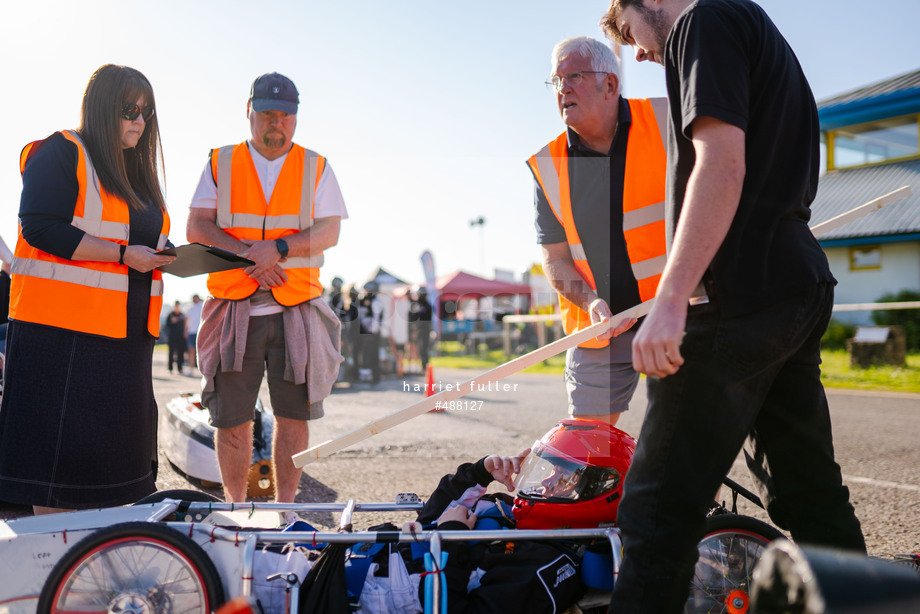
{"points": [[279, 205]]}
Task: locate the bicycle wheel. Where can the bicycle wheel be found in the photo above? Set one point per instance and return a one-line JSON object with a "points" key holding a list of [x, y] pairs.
{"points": [[135, 567], [728, 553]]}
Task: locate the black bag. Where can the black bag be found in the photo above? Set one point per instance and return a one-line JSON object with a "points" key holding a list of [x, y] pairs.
{"points": [[525, 577], [324, 590]]}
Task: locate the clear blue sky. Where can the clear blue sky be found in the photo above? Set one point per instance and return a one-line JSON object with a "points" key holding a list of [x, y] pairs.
{"points": [[426, 110]]}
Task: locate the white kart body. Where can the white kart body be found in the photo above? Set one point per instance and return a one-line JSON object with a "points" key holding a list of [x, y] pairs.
{"points": [[187, 437], [31, 547]]}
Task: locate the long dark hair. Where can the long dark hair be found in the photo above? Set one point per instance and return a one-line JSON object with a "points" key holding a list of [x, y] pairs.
{"points": [[129, 174]]}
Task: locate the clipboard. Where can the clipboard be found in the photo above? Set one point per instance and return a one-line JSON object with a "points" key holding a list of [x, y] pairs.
{"points": [[197, 259]]}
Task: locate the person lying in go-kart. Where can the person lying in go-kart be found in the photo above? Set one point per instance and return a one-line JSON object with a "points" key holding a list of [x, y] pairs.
{"points": [[571, 478]]}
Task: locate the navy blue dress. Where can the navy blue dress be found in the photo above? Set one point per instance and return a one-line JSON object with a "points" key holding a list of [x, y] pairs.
{"points": [[78, 418]]}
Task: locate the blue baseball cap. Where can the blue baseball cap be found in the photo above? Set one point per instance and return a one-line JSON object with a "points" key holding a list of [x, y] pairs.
{"points": [[274, 92]]}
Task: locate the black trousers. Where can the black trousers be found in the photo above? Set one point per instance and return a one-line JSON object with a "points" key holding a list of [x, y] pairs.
{"points": [[754, 379]]}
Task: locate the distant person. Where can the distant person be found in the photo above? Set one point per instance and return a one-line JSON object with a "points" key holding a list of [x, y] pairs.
{"points": [[420, 316], [192, 323], [599, 194], [78, 420], [176, 340], [336, 297], [350, 332], [370, 316], [279, 205], [743, 368]]}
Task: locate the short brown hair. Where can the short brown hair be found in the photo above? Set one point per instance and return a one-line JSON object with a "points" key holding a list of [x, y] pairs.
{"points": [[609, 20]]}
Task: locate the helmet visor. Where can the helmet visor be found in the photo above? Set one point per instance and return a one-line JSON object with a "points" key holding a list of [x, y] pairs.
{"points": [[550, 474]]}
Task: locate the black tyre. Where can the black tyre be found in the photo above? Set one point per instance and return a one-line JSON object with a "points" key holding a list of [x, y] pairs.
{"points": [[186, 496], [136, 567], [729, 551]]}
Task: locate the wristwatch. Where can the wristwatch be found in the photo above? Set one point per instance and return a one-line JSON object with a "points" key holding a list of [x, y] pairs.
{"points": [[282, 246]]}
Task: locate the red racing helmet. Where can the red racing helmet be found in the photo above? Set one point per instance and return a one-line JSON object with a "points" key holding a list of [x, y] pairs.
{"points": [[573, 476]]}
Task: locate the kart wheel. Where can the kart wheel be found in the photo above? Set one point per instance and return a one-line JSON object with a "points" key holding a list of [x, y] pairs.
{"points": [[728, 553], [136, 567], [186, 496]]}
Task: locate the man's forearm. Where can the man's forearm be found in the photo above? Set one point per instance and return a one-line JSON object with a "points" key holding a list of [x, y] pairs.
{"points": [[207, 232], [565, 279], [323, 234]]}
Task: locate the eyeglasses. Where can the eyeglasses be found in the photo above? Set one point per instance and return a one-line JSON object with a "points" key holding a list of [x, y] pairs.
{"points": [[130, 111], [573, 78]]}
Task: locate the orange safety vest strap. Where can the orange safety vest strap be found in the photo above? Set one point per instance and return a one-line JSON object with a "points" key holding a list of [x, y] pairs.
{"points": [[57, 271]]}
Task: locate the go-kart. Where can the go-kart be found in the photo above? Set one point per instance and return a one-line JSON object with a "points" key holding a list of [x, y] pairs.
{"points": [[182, 551]]}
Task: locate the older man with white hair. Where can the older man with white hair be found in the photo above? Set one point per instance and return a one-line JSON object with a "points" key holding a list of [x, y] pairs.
{"points": [[599, 199]]}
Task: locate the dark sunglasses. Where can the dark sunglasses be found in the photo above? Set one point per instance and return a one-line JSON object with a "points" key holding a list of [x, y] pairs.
{"points": [[130, 111]]}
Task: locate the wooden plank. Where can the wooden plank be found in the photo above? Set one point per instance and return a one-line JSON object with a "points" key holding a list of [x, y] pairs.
{"points": [[493, 375], [860, 211]]}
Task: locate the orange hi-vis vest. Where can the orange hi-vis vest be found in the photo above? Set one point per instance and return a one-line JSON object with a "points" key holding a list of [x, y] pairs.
{"points": [[243, 213], [643, 205], [78, 295]]}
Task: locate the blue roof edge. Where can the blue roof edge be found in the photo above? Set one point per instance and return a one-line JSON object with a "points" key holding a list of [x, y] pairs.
{"points": [[894, 104], [873, 240]]}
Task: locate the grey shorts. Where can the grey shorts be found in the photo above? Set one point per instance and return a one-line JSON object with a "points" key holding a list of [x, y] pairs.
{"points": [[601, 381], [233, 400]]}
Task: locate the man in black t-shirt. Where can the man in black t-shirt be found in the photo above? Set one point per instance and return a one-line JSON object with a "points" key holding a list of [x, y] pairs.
{"points": [[742, 172]]}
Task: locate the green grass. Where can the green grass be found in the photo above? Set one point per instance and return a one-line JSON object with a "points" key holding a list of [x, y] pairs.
{"points": [[836, 372], [835, 368], [453, 357]]}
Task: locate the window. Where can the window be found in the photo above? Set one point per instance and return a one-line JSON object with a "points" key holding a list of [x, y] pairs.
{"points": [[865, 258], [874, 142]]}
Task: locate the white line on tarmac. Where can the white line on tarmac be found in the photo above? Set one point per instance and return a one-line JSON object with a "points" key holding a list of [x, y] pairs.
{"points": [[883, 483]]}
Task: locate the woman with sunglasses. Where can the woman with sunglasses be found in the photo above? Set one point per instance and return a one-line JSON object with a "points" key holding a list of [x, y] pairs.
{"points": [[78, 416]]}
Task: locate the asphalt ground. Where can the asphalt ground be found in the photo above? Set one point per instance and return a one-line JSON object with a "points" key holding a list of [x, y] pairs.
{"points": [[876, 440]]}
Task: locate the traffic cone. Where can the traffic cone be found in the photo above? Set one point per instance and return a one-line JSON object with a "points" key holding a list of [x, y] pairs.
{"points": [[429, 380], [429, 387]]}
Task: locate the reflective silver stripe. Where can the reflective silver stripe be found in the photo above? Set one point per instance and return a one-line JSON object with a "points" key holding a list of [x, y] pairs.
{"points": [[660, 108], [224, 184], [578, 251], [156, 287], [161, 241], [243, 220], [256, 222], [304, 262], [307, 189], [644, 216], [274, 222], [550, 180], [92, 222], [70, 273], [650, 267], [101, 229]]}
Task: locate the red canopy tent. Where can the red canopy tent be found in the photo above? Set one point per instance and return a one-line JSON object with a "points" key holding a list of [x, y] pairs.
{"points": [[460, 285]]}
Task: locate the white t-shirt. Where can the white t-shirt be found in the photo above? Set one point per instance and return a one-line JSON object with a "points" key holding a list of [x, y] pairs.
{"points": [[327, 202], [193, 318]]}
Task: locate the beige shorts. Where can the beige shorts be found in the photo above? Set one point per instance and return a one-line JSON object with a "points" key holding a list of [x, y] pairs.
{"points": [[601, 381]]}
